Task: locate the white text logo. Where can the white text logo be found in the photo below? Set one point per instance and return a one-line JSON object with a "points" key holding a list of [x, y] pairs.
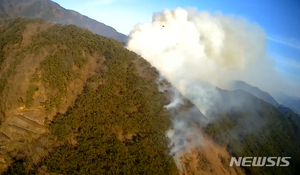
{"points": [[260, 161]]}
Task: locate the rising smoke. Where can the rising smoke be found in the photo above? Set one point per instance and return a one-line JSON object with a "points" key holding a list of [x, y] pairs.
{"points": [[196, 52], [185, 45]]}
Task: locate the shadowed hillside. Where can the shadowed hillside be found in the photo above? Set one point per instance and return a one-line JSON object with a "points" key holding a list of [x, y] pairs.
{"points": [[50, 11], [253, 127], [235, 85], [289, 101], [244, 126]]}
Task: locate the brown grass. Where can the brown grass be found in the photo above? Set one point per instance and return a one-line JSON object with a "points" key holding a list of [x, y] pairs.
{"points": [[209, 159]]}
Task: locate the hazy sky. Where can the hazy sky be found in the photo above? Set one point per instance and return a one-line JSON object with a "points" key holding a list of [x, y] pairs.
{"points": [[279, 18]]}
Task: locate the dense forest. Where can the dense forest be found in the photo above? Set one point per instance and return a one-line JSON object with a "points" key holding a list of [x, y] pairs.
{"points": [[117, 123]]}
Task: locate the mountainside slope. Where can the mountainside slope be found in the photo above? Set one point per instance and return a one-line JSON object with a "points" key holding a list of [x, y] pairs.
{"points": [[209, 159], [235, 85], [79, 101], [288, 101], [52, 12], [243, 125], [252, 127]]}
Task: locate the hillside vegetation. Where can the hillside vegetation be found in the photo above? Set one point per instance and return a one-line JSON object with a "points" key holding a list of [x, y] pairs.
{"points": [[255, 128], [99, 101]]}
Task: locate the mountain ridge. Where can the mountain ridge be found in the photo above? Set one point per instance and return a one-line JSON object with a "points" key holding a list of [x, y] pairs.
{"points": [[235, 85], [53, 12], [288, 101], [51, 81]]}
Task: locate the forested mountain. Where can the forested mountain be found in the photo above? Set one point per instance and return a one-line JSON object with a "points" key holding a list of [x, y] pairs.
{"points": [[235, 85], [74, 102], [82, 100], [289, 101], [53, 12], [255, 128]]}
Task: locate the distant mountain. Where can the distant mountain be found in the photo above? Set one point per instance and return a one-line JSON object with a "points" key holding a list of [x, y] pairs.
{"points": [[287, 111], [235, 85], [288, 101], [51, 11], [253, 127]]}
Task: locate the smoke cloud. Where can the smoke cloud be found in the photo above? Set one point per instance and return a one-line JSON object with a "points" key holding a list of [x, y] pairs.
{"points": [[197, 51], [185, 45]]}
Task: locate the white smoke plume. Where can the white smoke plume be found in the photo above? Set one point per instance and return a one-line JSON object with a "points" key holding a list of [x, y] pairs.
{"points": [[190, 49], [185, 45]]}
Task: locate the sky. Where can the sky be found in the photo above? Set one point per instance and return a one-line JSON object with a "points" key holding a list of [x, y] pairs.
{"points": [[279, 18]]}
